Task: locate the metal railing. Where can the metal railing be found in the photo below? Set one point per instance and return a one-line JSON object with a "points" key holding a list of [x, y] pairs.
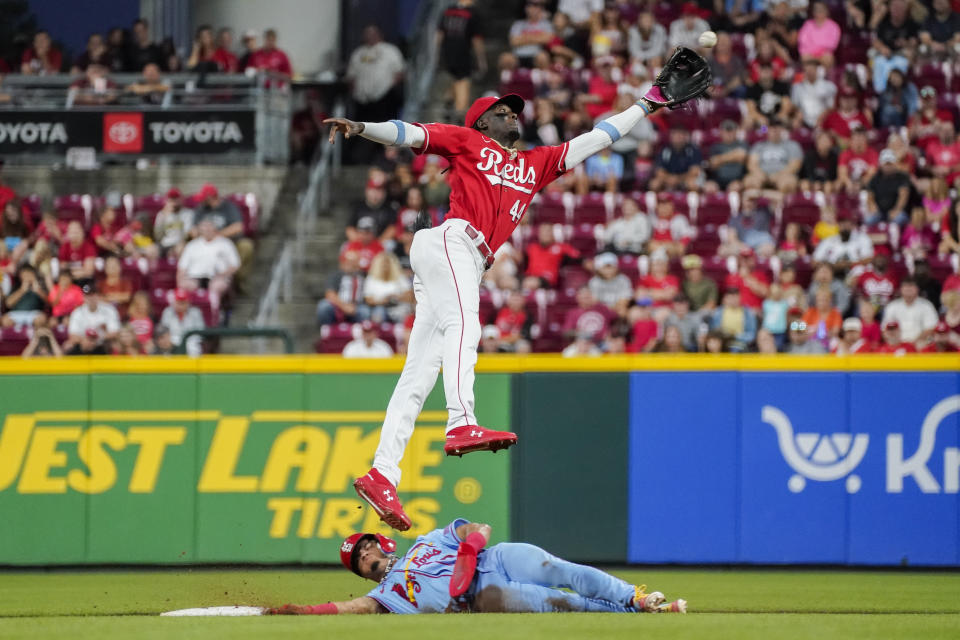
{"points": [[279, 289], [235, 332], [421, 67]]}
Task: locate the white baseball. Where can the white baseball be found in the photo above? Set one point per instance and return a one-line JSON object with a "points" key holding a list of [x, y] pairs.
{"points": [[707, 39]]}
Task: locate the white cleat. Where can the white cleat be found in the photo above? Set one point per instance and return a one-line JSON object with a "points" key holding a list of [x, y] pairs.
{"points": [[647, 602], [677, 606]]}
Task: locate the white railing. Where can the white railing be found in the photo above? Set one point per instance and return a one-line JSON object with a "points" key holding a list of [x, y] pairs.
{"points": [[280, 288], [316, 196]]}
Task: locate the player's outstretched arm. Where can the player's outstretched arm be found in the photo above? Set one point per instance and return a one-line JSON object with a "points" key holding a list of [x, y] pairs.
{"points": [[360, 605], [464, 530], [686, 76], [392, 133], [475, 537]]}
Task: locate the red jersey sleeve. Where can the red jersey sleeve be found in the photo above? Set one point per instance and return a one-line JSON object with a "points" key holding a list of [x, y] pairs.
{"points": [[548, 163], [443, 139]]}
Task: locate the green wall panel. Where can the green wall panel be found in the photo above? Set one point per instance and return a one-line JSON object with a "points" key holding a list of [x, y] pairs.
{"points": [[570, 464]]}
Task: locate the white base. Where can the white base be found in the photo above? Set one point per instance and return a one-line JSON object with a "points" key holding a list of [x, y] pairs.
{"points": [[217, 611]]}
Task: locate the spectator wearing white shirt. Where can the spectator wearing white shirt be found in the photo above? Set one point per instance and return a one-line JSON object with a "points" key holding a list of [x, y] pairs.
{"points": [[171, 227], [368, 345], [916, 316], [208, 262], [386, 290], [647, 40], [847, 248], [686, 30], [93, 315], [182, 317], [375, 71], [629, 233], [580, 12], [529, 37], [812, 96]]}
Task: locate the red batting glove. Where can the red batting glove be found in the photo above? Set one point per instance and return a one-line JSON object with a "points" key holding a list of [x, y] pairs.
{"points": [[466, 564]]}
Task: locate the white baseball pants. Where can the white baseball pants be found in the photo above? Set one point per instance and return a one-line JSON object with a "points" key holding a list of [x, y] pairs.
{"points": [[447, 270]]}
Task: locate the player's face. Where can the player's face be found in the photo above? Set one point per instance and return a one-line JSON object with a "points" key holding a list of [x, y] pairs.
{"points": [[502, 124], [370, 560]]}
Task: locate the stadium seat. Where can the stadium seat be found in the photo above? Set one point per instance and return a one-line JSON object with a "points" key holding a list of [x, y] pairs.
{"points": [[487, 307], [334, 337], [931, 75], [629, 267], [590, 208], [802, 210], [714, 209], [32, 205], [573, 277], [150, 203], [71, 208], [14, 340], [706, 242], [583, 238]]}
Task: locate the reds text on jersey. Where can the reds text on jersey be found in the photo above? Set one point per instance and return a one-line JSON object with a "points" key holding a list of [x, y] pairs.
{"points": [[490, 186]]}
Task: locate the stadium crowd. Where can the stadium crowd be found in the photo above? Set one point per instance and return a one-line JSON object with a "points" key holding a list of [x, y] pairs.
{"points": [[134, 50], [122, 275], [808, 206]]}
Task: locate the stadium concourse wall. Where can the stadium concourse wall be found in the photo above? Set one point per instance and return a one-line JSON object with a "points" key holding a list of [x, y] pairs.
{"points": [[640, 459]]}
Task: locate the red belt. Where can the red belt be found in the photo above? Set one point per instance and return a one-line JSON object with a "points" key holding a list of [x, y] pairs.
{"points": [[481, 246]]}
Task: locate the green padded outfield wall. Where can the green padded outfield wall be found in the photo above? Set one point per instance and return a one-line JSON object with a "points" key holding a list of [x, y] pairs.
{"points": [[570, 469], [221, 468]]}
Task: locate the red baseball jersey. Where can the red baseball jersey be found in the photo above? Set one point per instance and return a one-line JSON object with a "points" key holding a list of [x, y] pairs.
{"points": [[491, 187]]}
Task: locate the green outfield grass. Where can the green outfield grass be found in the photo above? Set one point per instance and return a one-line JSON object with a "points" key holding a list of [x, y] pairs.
{"points": [[745, 605]]}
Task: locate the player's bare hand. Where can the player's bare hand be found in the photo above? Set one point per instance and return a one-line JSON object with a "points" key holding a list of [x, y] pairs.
{"points": [[348, 128]]}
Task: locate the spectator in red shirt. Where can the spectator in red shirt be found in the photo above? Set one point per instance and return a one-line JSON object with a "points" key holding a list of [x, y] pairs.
{"points": [[513, 323], [751, 281], [876, 283], [602, 88], [922, 124], [645, 328], [77, 255], [224, 56], [104, 233], [114, 287], [891, 341], [588, 317], [139, 319], [270, 58], [847, 117], [366, 245], [50, 230], [856, 165], [941, 340], [42, 58], [64, 297], [867, 312], [851, 339], [659, 285], [544, 258], [943, 154]]}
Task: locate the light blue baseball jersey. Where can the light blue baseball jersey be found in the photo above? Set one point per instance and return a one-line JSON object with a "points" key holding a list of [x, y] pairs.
{"points": [[419, 582]]}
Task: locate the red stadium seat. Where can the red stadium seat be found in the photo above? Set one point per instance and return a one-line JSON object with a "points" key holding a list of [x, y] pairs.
{"points": [[802, 210], [629, 267], [573, 277], [706, 243], [583, 237], [487, 307], [590, 209], [150, 203], [714, 209], [71, 208], [14, 340], [931, 75], [334, 337], [32, 205], [551, 212]]}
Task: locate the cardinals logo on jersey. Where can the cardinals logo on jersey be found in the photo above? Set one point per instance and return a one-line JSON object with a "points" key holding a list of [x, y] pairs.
{"points": [[513, 176]]}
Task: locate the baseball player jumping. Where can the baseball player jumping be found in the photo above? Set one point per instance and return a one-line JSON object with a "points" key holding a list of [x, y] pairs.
{"points": [[491, 186], [449, 571]]}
